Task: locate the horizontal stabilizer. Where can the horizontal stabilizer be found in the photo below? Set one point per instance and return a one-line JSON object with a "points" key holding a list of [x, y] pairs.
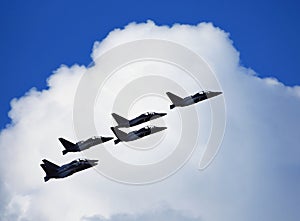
{"points": [[64, 152]]}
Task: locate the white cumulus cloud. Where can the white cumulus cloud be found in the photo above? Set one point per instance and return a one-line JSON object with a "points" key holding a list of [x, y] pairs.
{"points": [[255, 176]]}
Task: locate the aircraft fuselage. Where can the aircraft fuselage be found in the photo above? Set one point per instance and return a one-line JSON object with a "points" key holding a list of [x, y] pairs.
{"points": [[134, 135], [141, 119]]}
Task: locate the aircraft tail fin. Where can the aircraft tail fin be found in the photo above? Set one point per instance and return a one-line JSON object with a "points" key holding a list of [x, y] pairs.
{"points": [[119, 134], [51, 165], [67, 144], [49, 168], [119, 119], [175, 99]]}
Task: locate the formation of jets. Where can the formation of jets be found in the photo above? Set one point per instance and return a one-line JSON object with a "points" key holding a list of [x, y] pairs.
{"points": [[54, 171]]}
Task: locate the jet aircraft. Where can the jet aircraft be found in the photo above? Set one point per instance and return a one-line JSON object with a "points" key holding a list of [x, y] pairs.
{"points": [[82, 145], [123, 122], [182, 102], [134, 135], [54, 171]]}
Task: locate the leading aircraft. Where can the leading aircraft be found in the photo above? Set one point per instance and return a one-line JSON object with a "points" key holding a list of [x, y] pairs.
{"points": [[54, 171], [182, 102], [82, 145], [134, 135], [123, 122]]}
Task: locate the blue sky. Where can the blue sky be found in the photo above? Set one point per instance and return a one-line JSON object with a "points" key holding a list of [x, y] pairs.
{"points": [[37, 37]]}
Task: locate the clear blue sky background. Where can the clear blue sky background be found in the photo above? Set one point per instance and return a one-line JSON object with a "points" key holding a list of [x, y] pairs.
{"points": [[36, 37]]}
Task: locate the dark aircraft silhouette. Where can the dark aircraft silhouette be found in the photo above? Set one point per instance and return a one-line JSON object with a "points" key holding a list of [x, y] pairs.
{"points": [[134, 135], [54, 171], [82, 145], [123, 122], [182, 102]]}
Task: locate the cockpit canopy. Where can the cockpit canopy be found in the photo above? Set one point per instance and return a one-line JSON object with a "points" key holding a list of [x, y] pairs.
{"points": [[204, 92], [149, 113]]}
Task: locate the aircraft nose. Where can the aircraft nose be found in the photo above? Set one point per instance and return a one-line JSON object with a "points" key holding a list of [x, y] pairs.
{"points": [[161, 128], [157, 129], [162, 114], [213, 94], [105, 139], [93, 162]]}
